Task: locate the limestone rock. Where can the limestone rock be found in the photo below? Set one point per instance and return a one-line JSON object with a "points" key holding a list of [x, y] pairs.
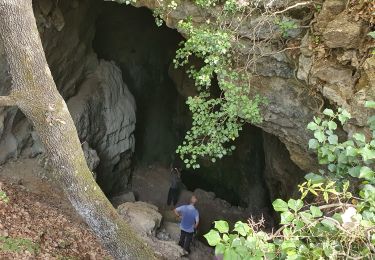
{"points": [[173, 229], [45, 6], [123, 198], [330, 9], [343, 33], [338, 80], [104, 113], [304, 67], [281, 174], [91, 156], [142, 216]]}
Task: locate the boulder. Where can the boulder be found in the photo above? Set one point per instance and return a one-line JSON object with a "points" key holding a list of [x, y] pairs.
{"points": [[343, 33], [144, 217], [330, 9], [122, 198], [173, 229]]}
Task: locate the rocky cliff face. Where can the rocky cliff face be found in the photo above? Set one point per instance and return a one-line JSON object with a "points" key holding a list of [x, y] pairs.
{"points": [[331, 68]]}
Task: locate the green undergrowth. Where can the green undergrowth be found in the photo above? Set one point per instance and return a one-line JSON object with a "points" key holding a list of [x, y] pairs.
{"points": [[17, 245], [334, 218]]}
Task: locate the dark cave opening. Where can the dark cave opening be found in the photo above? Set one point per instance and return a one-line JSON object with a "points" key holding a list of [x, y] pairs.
{"points": [[144, 52], [237, 177]]}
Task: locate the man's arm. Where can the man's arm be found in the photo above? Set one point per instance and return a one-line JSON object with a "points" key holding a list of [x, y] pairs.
{"points": [[196, 221], [178, 211]]}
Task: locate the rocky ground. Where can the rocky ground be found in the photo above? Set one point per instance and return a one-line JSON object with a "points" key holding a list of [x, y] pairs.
{"points": [[39, 223]]}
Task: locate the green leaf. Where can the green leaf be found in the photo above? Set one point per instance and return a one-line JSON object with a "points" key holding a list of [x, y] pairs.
{"points": [[370, 104], [286, 217], [230, 254], [222, 226], [333, 139], [312, 126], [366, 173], [354, 171], [320, 136], [367, 153], [332, 125], [371, 34], [329, 112], [219, 249], [313, 144], [280, 205], [213, 238], [242, 228], [359, 137], [316, 212], [288, 244], [351, 151], [306, 217], [344, 116], [314, 178], [328, 223], [295, 205]]}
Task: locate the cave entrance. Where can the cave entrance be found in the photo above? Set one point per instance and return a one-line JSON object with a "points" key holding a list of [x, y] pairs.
{"points": [[144, 52]]}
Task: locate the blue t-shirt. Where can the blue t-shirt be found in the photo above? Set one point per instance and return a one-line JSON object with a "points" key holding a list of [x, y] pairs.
{"points": [[190, 216]]}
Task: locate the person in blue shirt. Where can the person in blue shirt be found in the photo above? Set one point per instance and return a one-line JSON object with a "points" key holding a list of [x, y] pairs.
{"points": [[189, 222]]}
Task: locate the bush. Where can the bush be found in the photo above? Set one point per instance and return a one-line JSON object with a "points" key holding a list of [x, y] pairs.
{"points": [[338, 219]]}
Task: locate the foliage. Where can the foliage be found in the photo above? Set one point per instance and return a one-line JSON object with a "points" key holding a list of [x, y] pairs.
{"points": [[224, 100], [3, 197], [17, 245], [216, 120], [285, 26], [339, 223]]}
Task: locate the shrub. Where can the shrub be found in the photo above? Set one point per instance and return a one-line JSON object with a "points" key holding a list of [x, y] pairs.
{"points": [[338, 223]]}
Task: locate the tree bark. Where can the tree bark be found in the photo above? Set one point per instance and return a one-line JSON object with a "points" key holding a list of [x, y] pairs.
{"points": [[35, 93]]}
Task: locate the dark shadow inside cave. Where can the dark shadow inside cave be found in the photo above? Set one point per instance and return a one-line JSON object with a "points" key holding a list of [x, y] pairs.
{"points": [[144, 52]]}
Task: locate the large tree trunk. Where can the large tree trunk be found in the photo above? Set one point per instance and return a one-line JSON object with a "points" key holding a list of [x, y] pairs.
{"points": [[35, 93]]}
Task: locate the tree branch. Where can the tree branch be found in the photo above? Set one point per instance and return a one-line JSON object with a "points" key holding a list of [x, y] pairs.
{"points": [[7, 101], [293, 6]]}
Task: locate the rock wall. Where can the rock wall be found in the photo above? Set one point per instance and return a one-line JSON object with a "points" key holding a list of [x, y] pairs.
{"points": [[99, 101], [335, 71]]}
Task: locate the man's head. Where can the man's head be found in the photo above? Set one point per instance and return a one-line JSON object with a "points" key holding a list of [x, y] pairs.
{"points": [[193, 200]]}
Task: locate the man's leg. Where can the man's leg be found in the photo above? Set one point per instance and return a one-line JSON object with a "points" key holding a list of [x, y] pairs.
{"points": [[170, 195], [182, 238], [175, 196], [188, 239]]}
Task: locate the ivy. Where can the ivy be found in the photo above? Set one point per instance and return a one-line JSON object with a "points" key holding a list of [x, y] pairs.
{"points": [[216, 121]]}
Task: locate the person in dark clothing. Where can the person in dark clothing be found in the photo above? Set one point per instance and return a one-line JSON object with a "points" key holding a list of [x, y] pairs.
{"points": [[174, 186], [189, 222]]}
